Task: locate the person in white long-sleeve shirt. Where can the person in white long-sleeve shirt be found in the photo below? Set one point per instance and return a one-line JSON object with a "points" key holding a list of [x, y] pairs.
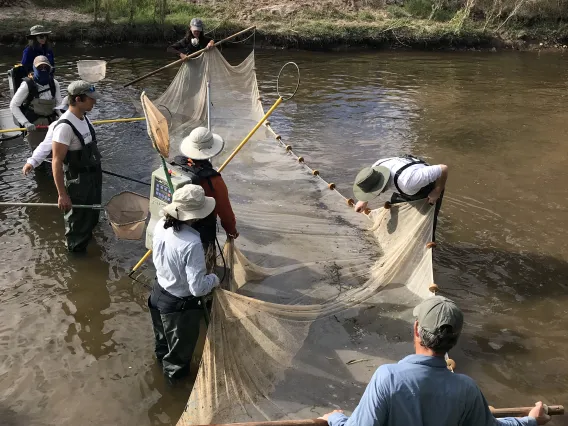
{"points": [[181, 279], [34, 103]]}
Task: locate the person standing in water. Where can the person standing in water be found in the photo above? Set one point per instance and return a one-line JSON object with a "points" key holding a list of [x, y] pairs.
{"points": [[193, 41], [38, 45], [34, 103], [76, 166]]}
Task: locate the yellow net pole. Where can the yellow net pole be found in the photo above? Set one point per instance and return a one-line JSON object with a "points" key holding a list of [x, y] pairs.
{"points": [[114, 120]]}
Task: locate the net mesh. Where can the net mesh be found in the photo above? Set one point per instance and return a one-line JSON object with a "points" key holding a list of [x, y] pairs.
{"points": [[319, 295], [127, 213]]}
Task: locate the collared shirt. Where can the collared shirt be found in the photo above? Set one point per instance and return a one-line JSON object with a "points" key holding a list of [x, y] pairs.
{"points": [[421, 391], [180, 261], [43, 149], [413, 178], [22, 94]]}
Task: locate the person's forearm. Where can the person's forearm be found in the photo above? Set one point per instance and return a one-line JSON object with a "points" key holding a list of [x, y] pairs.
{"points": [[19, 115], [441, 181], [57, 169]]}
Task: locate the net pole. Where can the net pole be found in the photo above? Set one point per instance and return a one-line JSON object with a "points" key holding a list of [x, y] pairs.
{"points": [[208, 106], [78, 206]]}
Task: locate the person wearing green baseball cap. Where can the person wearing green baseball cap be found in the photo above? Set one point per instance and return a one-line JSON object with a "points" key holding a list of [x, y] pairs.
{"points": [[421, 390], [411, 179], [193, 41], [76, 165]]}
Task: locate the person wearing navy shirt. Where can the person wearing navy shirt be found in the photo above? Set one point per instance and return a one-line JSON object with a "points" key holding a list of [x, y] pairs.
{"points": [[38, 45]]}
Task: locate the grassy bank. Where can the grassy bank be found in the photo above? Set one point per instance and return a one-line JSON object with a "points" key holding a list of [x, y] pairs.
{"points": [[306, 25]]}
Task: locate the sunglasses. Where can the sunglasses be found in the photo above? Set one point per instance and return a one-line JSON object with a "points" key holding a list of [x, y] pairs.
{"points": [[42, 36], [43, 68]]}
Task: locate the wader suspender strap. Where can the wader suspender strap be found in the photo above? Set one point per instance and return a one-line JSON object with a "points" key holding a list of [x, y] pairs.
{"points": [[413, 161], [77, 133]]}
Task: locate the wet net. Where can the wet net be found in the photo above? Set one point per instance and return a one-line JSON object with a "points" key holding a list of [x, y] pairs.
{"points": [[127, 213], [319, 296]]}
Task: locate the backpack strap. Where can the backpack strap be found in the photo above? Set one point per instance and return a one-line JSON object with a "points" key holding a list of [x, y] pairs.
{"points": [[32, 91], [413, 161]]}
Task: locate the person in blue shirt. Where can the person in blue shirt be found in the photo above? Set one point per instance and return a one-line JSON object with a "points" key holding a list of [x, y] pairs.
{"points": [[38, 45], [420, 390]]}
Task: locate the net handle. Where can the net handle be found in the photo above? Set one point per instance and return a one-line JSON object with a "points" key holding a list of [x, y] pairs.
{"points": [[297, 81]]}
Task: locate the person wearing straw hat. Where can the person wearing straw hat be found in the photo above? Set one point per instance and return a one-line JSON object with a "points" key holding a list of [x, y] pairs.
{"points": [[193, 41], [198, 148], [421, 390], [38, 45], [411, 178], [181, 279], [34, 103], [76, 165]]}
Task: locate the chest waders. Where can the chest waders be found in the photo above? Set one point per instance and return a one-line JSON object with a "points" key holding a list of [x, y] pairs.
{"points": [[83, 180], [40, 112]]}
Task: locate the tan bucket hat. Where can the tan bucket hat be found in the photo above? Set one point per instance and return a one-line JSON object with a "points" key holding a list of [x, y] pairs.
{"points": [[189, 202], [38, 30], [201, 144]]}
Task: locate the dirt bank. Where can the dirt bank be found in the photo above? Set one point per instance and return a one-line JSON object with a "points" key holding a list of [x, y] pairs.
{"points": [[308, 24]]}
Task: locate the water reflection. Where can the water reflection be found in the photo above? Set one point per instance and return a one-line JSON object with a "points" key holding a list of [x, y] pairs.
{"points": [[75, 337]]}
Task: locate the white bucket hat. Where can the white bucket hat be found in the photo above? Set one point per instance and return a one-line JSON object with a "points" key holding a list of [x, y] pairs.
{"points": [[189, 202], [201, 144]]}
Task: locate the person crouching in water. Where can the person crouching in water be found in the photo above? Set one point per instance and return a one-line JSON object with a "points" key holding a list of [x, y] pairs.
{"points": [[198, 148], [181, 279]]}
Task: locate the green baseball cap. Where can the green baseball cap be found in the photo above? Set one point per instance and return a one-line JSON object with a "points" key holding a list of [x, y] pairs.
{"points": [[437, 311], [370, 182], [81, 87]]}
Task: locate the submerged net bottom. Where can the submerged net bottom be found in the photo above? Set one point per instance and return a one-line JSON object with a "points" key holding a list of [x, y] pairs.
{"points": [[314, 286], [320, 295]]}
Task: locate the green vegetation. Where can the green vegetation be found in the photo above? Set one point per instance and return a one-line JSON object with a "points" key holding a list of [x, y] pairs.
{"points": [[314, 23]]}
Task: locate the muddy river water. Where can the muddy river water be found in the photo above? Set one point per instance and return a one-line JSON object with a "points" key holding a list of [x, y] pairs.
{"points": [[76, 345]]}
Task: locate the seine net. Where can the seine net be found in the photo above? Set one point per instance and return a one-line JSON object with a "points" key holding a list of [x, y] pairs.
{"points": [[319, 295]]}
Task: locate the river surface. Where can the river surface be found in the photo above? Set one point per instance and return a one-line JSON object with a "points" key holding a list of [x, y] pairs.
{"points": [[76, 345]]}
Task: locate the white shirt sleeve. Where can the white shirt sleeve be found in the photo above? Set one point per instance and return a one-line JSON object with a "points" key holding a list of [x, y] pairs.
{"points": [[200, 283], [43, 149], [63, 134], [17, 101], [418, 177]]}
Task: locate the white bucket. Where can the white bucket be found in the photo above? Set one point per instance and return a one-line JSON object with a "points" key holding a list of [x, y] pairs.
{"points": [[7, 122], [91, 71]]}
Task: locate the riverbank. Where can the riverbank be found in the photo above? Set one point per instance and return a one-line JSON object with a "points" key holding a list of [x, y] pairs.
{"points": [[287, 26]]}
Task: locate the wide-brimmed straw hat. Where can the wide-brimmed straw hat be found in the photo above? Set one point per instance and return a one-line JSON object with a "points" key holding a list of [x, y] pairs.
{"points": [[190, 203], [370, 182], [38, 30], [201, 144]]}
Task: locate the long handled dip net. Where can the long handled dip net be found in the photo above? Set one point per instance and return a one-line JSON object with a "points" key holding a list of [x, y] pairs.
{"points": [[319, 296]]}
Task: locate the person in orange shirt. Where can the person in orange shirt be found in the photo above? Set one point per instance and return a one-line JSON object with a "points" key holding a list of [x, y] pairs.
{"points": [[198, 148]]}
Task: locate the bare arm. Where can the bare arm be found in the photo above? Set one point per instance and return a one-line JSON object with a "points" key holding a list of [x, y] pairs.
{"points": [[439, 186], [59, 152]]}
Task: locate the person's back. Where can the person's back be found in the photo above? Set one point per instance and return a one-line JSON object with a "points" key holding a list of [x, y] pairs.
{"points": [[420, 390], [423, 391], [174, 248]]}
